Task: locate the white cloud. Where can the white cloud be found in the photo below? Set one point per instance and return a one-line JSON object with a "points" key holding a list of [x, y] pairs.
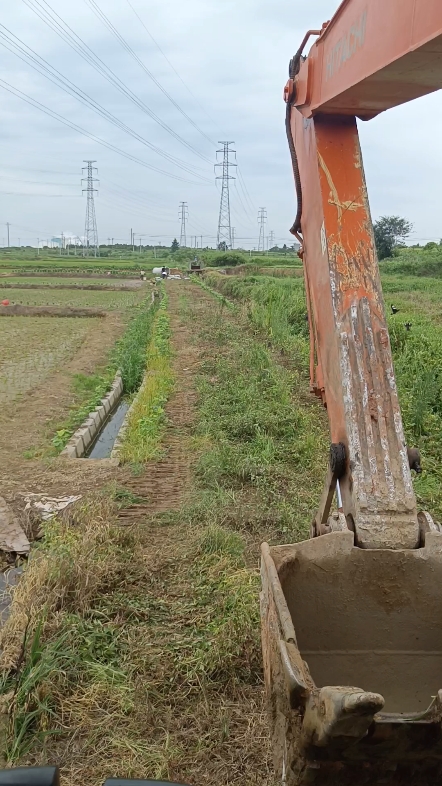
{"points": [[234, 57]]}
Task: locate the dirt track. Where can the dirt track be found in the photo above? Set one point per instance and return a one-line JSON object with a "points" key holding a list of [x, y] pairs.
{"points": [[163, 483]]}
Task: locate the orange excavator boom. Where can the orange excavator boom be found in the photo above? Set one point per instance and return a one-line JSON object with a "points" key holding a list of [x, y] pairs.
{"points": [[360, 603], [373, 55]]}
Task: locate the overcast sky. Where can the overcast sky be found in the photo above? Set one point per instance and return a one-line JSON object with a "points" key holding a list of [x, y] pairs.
{"points": [[232, 58]]}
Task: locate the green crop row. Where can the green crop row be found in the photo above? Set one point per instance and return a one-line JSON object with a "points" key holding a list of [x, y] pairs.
{"points": [[147, 419]]}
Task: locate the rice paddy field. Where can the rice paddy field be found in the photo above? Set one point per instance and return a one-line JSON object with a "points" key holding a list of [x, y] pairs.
{"points": [[54, 369], [31, 348], [75, 298], [62, 281]]}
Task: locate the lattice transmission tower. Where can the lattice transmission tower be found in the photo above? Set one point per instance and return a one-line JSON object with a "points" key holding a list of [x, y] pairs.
{"points": [[183, 215], [224, 234], [90, 227], [262, 220]]}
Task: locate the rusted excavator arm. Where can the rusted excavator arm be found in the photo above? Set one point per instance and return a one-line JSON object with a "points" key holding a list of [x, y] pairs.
{"points": [[373, 55]]}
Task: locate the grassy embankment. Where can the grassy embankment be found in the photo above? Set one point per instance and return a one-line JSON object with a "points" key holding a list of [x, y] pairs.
{"points": [[278, 308], [143, 655]]}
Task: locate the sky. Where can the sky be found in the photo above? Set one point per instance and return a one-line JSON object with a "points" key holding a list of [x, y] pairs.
{"points": [[208, 71]]}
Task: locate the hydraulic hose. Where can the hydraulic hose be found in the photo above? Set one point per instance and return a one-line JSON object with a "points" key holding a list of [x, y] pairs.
{"points": [[295, 229], [294, 66]]}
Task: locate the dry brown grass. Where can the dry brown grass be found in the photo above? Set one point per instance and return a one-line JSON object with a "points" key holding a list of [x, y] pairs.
{"points": [[147, 655]]}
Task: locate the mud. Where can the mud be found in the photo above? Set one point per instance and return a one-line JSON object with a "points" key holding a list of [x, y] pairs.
{"points": [[48, 311]]}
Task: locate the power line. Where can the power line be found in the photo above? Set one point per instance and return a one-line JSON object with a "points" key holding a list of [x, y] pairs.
{"points": [[36, 104], [172, 67], [244, 208], [262, 219], [106, 21], [183, 216], [27, 194], [90, 226], [245, 191], [37, 182], [56, 23], [224, 234], [43, 171], [42, 66]]}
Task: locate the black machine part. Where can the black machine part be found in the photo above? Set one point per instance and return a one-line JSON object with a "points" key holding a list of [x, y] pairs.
{"points": [[50, 776]]}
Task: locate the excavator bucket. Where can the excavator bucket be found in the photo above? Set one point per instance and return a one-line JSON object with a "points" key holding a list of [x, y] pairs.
{"points": [[352, 619], [352, 647]]}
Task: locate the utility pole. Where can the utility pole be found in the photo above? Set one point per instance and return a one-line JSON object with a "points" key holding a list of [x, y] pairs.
{"points": [[224, 234], [90, 227], [183, 215], [38, 246], [271, 239], [233, 237], [262, 219], [8, 233]]}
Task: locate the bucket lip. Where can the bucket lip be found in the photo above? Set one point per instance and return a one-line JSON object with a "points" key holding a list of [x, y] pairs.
{"points": [[341, 544]]}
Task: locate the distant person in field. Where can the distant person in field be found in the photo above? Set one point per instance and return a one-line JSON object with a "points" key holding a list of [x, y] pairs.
{"points": [[163, 273]]}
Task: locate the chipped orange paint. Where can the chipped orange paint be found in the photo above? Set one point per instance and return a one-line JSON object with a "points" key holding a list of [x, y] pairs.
{"points": [[351, 365]]}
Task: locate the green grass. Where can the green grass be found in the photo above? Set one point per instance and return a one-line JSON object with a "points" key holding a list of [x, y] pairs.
{"points": [[277, 307], [139, 653], [415, 262], [261, 450], [147, 418], [153, 630]]}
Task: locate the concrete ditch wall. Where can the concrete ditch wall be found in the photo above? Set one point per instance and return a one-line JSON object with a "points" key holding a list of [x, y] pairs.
{"points": [[81, 441]]}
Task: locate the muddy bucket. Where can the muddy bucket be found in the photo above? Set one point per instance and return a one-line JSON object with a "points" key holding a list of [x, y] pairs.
{"points": [[352, 644]]}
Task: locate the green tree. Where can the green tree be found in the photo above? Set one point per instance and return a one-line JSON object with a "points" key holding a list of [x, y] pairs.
{"points": [[227, 259], [175, 245], [390, 231]]}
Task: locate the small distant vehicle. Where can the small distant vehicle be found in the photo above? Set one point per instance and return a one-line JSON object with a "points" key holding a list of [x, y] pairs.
{"points": [[196, 267], [163, 271]]}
